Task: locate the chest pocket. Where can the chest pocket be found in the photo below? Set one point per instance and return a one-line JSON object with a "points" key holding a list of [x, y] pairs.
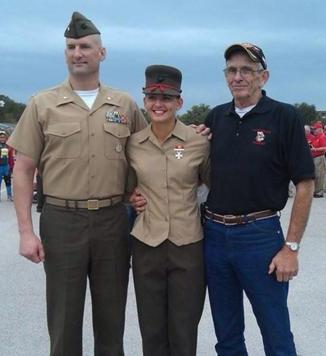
{"points": [[115, 138], [64, 140]]}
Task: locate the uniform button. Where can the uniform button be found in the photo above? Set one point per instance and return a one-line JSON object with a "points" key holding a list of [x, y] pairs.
{"points": [[93, 155], [93, 177], [237, 134]]}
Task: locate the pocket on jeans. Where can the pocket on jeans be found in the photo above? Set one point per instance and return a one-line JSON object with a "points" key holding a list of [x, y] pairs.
{"points": [[268, 225]]}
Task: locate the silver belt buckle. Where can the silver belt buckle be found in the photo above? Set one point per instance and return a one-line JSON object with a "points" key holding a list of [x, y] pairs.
{"points": [[92, 204]]}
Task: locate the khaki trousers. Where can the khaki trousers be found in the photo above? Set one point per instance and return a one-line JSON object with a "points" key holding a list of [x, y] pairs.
{"points": [[170, 293], [320, 171], [81, 245]]}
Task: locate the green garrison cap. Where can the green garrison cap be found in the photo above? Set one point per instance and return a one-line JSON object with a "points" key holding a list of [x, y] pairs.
{"points": [[80, 26], [161, 79]]}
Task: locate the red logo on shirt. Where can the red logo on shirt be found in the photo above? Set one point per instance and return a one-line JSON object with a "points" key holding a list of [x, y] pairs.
{"points": [[260, 136]]}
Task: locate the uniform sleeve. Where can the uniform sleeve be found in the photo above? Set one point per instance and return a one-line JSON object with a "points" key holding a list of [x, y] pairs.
{"points": [[28, 137], [131, 181], [138, 120]]}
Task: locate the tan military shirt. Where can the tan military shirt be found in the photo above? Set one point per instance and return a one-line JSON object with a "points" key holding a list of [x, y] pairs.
{"points": [[168, 175], [80, 152]]}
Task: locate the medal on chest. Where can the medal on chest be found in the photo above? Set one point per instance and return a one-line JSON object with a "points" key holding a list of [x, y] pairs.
{"points": [[178, 151], [115, 117], [118, 148]]}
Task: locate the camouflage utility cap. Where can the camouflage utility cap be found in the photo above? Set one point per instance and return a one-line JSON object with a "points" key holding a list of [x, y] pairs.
{"points": [[80, 26], [161, 79]]}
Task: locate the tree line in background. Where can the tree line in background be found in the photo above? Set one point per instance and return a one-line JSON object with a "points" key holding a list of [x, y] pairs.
{"points": [[10, 112]]}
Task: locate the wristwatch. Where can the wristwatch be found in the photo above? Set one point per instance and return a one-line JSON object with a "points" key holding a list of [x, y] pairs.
{"points": [[293, 246]]}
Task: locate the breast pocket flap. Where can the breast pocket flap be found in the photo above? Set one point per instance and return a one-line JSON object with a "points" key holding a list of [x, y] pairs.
{"points": [[117, 130], [63, 129]]}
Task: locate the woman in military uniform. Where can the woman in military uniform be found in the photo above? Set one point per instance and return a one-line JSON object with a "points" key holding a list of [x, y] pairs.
{"points": [[168, 159]]}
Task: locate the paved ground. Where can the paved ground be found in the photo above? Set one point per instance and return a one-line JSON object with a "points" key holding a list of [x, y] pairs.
{"points": [[22, 307]]}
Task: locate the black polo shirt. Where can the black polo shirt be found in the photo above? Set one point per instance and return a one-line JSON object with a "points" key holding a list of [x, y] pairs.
{"points": [[253, 158]]}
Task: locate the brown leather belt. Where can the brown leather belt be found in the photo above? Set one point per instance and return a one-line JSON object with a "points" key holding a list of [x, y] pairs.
{"points": [[239, 219], [91, 204]]}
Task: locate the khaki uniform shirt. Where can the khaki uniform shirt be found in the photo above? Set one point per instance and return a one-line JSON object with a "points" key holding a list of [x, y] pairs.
{"points": [[168, 176], [80, 152]]}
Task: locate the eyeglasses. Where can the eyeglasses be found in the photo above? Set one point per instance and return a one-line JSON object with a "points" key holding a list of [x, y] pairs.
{"points": [[231, 72]]}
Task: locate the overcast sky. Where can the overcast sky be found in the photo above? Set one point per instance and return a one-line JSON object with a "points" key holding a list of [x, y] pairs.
{"points": [[191, 35]]}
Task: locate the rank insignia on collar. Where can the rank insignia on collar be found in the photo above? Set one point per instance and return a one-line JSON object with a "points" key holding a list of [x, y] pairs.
{"points": [[115, 117], [178, 150]]}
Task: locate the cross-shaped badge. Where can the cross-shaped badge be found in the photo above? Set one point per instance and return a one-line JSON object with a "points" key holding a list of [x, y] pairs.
{"points": [[178, 150]]}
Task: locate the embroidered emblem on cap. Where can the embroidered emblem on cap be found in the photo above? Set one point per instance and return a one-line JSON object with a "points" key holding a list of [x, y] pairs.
{"points": [[179, 150], [116, 117]]}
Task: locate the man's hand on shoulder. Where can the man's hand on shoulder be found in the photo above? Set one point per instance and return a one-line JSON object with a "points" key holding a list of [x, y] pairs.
{"points": [[31, 248], [285, 265], [203, 130]]}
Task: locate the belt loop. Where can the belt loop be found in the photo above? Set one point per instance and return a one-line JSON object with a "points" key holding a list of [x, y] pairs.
{"points": [[76, 204], [66, 204]]}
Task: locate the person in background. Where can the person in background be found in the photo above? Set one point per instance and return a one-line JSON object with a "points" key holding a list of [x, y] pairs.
{"points": [[318, 150], [6, 164], [75, 135], [168, 160], [309, 135], [258, 145]]}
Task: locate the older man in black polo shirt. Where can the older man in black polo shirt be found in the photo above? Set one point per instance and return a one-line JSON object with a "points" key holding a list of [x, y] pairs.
{"points": [[258, 146]]}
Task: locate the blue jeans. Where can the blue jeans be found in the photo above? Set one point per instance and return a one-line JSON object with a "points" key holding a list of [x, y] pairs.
{"points": [[6, 175], [236, 260]]}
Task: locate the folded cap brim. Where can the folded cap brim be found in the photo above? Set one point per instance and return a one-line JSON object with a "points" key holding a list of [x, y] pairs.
{"points": [[165, 91]]}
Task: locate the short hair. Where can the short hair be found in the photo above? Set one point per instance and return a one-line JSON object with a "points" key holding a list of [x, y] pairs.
{"points": [[97, 38]]}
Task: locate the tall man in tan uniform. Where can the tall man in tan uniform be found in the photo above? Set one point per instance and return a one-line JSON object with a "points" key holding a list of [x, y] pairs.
{"points": [[75, 134]]}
